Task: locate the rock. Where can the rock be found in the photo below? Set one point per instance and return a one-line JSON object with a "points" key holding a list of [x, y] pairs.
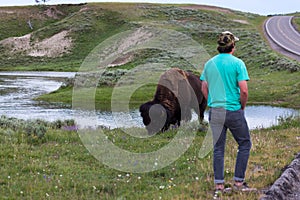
{"points": [[288, 185]]}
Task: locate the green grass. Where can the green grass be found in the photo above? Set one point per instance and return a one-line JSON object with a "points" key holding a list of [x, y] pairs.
{"points": [[56, 164], [60, 167], [102, 99], [268, 71], [265, 88], [272, 88], [296, 22]]}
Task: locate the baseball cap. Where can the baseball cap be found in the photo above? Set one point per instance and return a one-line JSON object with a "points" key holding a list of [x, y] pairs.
{"points": [[226, 38]]}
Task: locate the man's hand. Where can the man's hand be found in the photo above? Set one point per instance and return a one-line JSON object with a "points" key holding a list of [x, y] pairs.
{"points": [[244, 93], [204, 89]]}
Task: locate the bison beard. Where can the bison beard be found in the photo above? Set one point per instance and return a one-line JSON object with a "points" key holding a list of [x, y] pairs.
{"points": [[177, 93]]}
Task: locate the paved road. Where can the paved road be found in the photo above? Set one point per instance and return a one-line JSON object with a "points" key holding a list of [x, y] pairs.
{"points": [[281, 32]]}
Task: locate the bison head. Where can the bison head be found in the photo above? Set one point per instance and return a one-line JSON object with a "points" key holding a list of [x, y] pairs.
{"points": [[155, 117]]}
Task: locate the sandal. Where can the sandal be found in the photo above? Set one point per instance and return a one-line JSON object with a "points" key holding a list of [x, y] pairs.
{"points": [[219, 192], [243, 188]]}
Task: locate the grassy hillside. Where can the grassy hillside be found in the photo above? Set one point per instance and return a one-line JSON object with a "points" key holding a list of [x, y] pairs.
{"points": [[63, 35], [87, 25], [296, 21]]}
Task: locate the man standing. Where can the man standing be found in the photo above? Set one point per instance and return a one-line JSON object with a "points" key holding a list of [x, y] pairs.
{"points": [[224, 85]]}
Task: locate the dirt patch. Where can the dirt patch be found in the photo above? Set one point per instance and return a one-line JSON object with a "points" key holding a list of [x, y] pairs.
{"points": [[135, 39], [7, 11], [241, 21], [84, 9], [122, 60], [55, 46], [53, 12], [204, 7], [17, 44]]}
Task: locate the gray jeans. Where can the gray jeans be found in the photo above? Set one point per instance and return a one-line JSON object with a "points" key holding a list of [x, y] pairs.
{"points": [[220, 120]]}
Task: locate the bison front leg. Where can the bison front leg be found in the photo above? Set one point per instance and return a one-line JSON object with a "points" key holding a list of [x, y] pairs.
{"points": [[202, 108], [166, 127]]}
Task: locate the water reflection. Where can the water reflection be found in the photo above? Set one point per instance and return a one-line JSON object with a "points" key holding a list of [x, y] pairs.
{"points": [[257, 117], [17, 89], [266, 116]]}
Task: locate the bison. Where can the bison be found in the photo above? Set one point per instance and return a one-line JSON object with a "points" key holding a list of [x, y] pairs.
{"points": [[178, 93]]}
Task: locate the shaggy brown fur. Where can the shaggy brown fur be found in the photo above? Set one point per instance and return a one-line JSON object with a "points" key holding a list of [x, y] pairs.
{"points": [[177, 92]]}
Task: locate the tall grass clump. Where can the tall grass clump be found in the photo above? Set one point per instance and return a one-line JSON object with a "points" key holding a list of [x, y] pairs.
{"points": [[32, 131]]}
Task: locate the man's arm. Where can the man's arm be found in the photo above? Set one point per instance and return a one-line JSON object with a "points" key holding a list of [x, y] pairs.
{"points": [[244, 93], [204, 89]]}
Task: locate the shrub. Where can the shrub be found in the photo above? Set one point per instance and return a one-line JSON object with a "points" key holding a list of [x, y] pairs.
{"points": [[33, 130]]}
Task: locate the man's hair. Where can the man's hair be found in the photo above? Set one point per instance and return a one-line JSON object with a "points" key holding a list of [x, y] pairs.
{"points": [[225, 49]]}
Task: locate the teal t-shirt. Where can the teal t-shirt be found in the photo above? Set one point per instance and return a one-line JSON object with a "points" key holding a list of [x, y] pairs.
{"points": [[222, 73]]}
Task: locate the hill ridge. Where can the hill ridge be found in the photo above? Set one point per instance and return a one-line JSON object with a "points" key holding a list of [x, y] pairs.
{"points": [[64, 34]]}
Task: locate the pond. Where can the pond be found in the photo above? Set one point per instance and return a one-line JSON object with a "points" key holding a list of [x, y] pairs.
{"points": [[18, 89]]}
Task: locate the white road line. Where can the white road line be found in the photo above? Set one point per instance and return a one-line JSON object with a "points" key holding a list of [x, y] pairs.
{"points": [[276, 41]]}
